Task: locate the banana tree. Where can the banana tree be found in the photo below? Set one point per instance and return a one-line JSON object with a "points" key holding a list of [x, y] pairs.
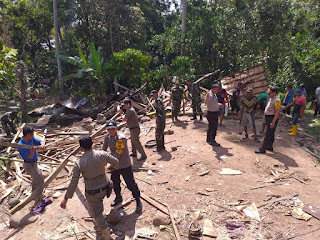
{"points": [[92, 68]]}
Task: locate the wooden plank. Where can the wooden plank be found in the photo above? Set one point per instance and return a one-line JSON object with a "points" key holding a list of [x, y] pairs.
{"points": [[276, 200], [68, 133], [16, 145], [137, 106], [58, 169], [207, 75], [15, 137]]}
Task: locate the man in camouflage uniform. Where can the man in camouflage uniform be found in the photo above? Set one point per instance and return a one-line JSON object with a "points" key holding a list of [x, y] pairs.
{"points": [[161, 120], [7, 121], [176, 98], [194, 92]]}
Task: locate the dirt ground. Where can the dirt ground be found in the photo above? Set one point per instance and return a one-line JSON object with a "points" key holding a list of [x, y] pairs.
{"points": [[178, 184]]}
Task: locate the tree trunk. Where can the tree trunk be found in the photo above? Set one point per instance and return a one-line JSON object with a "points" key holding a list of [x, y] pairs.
{"points": [[23, 91], [184, 16], [56, 31]]}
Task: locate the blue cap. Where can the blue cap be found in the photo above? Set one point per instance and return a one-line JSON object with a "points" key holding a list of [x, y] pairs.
{"points": [[298, 90]]}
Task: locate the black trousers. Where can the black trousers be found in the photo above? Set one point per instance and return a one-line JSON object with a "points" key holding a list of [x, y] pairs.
{"points": [[213, 125], [316, 110], [288, 110], [127, 175], [269, 137]]}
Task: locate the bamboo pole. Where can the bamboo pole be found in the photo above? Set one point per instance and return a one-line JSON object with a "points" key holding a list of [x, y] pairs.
{"points": [[58, 169]]}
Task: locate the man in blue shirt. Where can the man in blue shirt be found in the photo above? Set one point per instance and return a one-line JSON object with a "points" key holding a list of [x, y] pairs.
{"points": [[287, 99], [30, 157]]}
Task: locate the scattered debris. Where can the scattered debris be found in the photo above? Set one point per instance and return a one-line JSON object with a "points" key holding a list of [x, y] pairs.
{"points": [[235, 229], [250, 211], [208, 229], [298, 213], [229, 171], [315, 212], [204, 173]]}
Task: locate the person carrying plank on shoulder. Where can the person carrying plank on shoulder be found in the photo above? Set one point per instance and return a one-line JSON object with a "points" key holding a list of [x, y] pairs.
{"points": [[30, 158]]}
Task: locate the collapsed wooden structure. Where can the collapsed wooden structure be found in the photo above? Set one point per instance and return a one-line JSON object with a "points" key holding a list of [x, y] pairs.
{"points": [[255, 77]]}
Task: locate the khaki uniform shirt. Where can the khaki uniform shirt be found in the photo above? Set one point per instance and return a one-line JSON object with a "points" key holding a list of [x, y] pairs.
{"points": [[132, 117], [119, 149], [212, 102], [92, 167], [273, 105]]}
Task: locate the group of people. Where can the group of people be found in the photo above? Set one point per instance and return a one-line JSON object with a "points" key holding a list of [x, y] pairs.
{"points": [[91, 165]]}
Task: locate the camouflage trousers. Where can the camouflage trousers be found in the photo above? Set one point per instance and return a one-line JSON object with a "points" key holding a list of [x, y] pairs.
{"points": [[196, 106], [176, 106], [160, 135], [7, 124]]}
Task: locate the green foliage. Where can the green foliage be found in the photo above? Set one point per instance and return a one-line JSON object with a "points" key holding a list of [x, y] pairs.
{"points": [[130, 67], [139, 36], [92, 68], [7, 65]]}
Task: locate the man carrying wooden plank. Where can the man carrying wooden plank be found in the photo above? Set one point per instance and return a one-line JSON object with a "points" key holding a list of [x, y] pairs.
{"points": [[92, 167], [194, 92], [117, 143], [30, 157], [7, 122], [131, 118], [160, 121]]}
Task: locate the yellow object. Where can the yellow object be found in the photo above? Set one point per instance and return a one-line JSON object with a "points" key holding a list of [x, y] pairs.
{"points": [[290, 130], [119, 146], [294, 130], [277, 104]]}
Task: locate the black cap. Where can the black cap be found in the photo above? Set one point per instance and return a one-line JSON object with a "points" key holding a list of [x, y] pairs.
{"points": [[272, 89], [127, 101], [214, 85], [250, 90], [111, 124]]}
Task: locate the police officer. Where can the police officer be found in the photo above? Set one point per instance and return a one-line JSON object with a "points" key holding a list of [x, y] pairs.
{"points": [[7, 122], [176, 97], [133, 124], [213, 107], [117, 143], [272, 112], [30, 158], [92, 167], [194, 92]]}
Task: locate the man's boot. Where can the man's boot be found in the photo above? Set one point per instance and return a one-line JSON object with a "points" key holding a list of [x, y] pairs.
{"points": [[294, 130], [106, 234], [194, 117], [139, 206], [116, 201]]}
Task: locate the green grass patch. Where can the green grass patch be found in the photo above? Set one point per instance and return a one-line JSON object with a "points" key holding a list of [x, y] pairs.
{"points": [[310, 124]]}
